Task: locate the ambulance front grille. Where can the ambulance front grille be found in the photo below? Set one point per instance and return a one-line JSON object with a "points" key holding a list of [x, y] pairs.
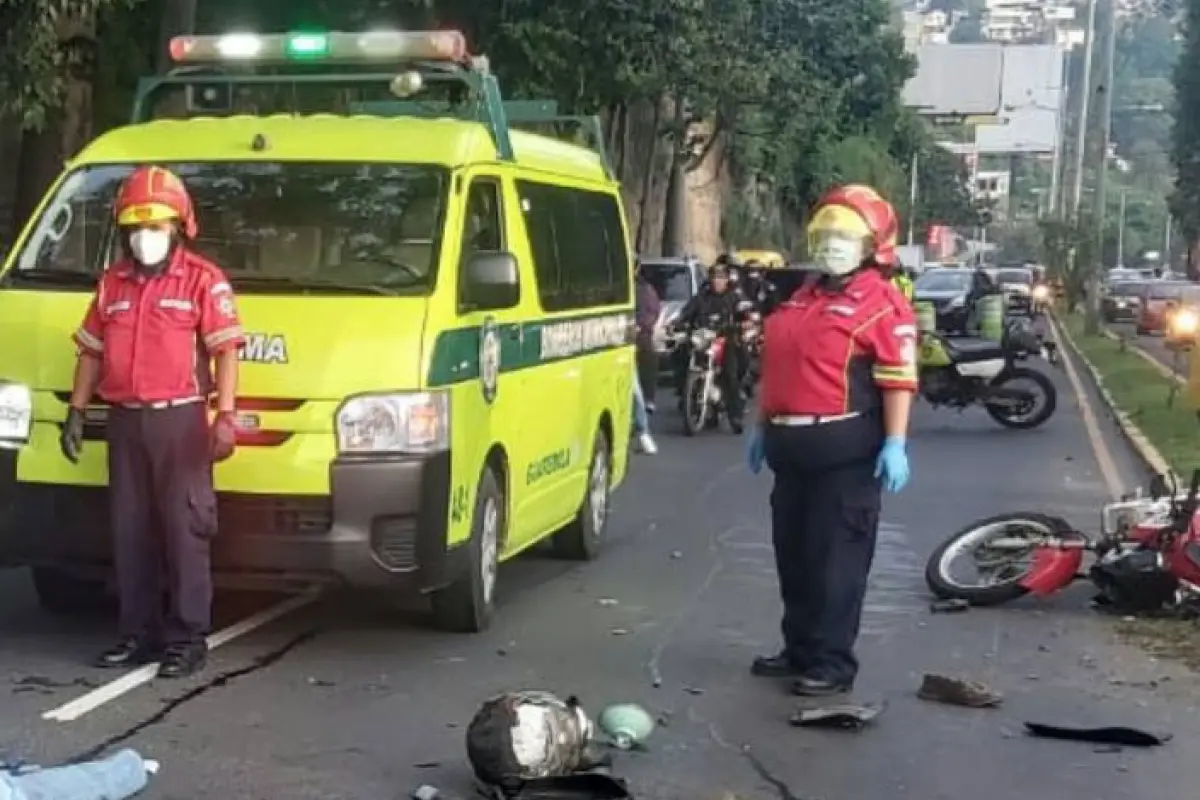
{"points": [[394, 541], [274, 515]]}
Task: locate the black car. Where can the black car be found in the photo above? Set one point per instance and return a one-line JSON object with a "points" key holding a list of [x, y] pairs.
{"points": [[948, 289], [1122, 301]]}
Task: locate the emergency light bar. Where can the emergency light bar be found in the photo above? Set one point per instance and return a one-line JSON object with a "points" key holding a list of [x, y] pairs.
{"points": [[334, 47]]}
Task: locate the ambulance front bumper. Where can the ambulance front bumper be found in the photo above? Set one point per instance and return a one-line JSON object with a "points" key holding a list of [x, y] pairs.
{"points": [[383, 526]]}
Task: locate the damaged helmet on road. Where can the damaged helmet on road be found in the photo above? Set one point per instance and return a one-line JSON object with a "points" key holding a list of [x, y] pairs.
{"points": [[526, 735]]}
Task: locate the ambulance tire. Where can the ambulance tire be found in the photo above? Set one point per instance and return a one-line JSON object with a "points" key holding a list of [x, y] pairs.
{"points": [[581, 539], [468, 604], [61, 592]]}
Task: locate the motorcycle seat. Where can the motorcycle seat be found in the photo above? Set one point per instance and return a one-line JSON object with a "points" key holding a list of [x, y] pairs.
{"points": [[967, 350]]}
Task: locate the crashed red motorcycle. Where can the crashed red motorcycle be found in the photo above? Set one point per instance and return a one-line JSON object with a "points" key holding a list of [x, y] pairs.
{"points": [[1145, 558]]}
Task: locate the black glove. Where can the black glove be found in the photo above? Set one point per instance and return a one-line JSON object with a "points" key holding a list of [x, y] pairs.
{"points": [[71, 440]]}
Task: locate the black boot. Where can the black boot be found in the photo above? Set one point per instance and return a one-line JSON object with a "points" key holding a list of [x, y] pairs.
{"points": [[130, 652], [776, 666], [183, 660]]}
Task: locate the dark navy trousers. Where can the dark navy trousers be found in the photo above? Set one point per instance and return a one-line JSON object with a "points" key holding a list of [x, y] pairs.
{"points": [[824, 522], [163, 510]]}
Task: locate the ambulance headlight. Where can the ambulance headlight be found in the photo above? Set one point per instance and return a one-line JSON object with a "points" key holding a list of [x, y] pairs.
{"points": [[16, 415], [417, 422]]}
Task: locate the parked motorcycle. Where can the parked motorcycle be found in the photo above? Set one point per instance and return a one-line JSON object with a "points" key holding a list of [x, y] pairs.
{"points": [[1147, 555], [703, 400], [966, 372]]}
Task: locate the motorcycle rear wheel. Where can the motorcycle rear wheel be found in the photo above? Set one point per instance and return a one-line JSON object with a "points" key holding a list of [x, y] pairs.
{"points": [[976, 535], [695, 404], [1045, 385]]}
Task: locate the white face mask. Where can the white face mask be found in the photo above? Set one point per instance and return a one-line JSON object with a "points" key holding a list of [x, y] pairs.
{"points": [[838, 255], [150, 247]]}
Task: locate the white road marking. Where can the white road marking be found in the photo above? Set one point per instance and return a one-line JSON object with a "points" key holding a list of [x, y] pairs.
{"points": [[89, 702], [1104, 457]]}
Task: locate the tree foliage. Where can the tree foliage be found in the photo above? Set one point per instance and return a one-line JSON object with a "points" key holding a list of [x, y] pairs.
{"points": [[40, 43], [1186, 134], [798, 93]]}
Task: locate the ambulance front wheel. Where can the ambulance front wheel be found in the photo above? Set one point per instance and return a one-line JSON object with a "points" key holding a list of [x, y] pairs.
{"points": [[468, 604], [61, 592]]}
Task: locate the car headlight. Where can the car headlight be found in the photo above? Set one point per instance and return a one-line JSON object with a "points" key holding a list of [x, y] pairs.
{"points": [[16, 415], [957, 302], [1040, 293], [1185, 322], [416, 422]]}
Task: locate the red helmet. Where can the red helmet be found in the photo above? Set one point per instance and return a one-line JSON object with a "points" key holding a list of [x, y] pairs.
{"points": [[154, 194], [877, 213]]}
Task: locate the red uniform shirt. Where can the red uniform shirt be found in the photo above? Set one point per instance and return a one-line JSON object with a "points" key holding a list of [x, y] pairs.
{"points": [[156, 336], [831, 352]]}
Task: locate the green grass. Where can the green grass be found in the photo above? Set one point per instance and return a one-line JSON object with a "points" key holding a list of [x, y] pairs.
{"points": [[1142, 392]]}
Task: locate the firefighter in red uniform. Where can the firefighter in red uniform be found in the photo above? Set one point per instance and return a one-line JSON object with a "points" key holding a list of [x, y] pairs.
{"points": [[838, 376], [160, 317]]}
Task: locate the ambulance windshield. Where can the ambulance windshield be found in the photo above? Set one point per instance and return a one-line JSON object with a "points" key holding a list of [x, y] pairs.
{"points": [[277, 227]]}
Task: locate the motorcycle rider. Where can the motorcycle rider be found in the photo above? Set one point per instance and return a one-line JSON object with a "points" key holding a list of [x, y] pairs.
{"points": [[716, 308]]}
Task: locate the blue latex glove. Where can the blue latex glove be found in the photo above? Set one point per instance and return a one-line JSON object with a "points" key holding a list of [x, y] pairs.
{"points": [[755, 456], [892, 464]]}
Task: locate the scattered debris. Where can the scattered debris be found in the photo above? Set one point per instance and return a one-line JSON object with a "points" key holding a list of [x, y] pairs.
{"points": [[426, 792], [321, 682], [694, 690], [842, 717], [619, 631], [958, 692], [676, 554], [427, 765], [954, 606], [38, 684], [593, 785], [607, 601], [626, 725], [1115, 735]]}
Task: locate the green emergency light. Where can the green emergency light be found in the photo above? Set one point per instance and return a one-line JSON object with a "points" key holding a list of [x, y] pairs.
{"points": [[306, 45]]}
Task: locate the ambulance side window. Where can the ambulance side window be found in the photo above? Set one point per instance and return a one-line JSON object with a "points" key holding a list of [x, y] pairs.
{"points": [[483, 225]]}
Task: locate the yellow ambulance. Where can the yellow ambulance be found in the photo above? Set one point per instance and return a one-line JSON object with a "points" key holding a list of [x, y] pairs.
{"points": [[438, 367]]}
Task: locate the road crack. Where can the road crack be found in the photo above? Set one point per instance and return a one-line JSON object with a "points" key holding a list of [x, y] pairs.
{"points": [[223, 679], [778, 784]]}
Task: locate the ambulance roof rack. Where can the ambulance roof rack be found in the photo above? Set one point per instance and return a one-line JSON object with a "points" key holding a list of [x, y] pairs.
{"points": [[223, 62]]}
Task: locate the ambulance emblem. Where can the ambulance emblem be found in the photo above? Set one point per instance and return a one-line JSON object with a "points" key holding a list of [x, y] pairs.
{"points": [[489, 359]]}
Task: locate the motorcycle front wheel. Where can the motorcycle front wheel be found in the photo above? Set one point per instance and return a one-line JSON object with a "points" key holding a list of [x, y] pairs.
{"points": [[1018, 409], [695, 404], [1000, 569]]}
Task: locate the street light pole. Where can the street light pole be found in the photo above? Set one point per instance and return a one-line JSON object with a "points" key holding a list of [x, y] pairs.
{"points": [[1084, 97], [1121, 234], [1060, 127], [912, 196], [1105, 96]]}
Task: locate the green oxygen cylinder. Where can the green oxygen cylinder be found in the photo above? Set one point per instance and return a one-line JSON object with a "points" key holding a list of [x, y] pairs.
{"points": [[626, 725], [990, 310], [926, 315]]}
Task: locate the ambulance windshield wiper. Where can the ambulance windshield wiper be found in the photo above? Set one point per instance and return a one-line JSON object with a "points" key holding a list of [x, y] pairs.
{"points": [[54, 275], [302, 285]]}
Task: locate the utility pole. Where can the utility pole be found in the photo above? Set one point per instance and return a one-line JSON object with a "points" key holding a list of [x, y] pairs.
{"points": [[1060, 125], [1121, 233], [1104, 94], [1084, 97], [912, 196]]}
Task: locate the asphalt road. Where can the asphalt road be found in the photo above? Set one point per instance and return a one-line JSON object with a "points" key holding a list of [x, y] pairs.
{"points": [[349, 700]]}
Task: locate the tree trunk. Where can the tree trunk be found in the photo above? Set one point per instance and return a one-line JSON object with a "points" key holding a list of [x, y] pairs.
{"points": [[40, 162], [647, 177]]}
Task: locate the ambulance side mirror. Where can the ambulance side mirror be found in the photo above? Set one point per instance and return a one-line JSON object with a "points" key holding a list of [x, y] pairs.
{"points": [[490, 282]]}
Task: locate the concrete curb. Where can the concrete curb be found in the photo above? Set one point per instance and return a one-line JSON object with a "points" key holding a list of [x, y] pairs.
{"points": [[1162, 368], [1141, 445]]}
